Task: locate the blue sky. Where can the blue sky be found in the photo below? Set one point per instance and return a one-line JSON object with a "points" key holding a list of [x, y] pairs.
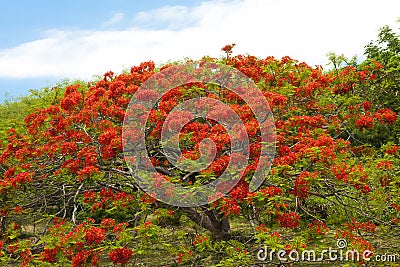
{"points": [[45, 41], [26, 20]]}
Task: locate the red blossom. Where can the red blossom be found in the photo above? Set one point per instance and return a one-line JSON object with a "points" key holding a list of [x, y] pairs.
{"points": [[89, 196], [366, 189], [365, 122], [240, 191], [302, 184], [262, 228], [147, 95], [288, 220], [86, 172], [367, 105], [392, 150], [121, 255], [18, 210], [228, 49], [384, 165], [354, 225], [95, 235], [198, 240], [319, 227], [107, 223], [13, 248], [80, 259], [271, 191], [120, 227], [275, 234], [49, 254], [146, 198], [229, 206], [386, 116], [180, 256]]}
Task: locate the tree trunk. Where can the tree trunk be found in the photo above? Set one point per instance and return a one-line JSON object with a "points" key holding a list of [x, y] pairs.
{"points": [[211, 220]]}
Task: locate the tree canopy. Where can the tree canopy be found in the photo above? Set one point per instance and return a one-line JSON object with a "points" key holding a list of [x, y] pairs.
{"points": [[69, 198]]}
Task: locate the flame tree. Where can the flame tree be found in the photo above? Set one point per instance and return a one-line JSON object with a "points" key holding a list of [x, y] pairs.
{"points": [[68, 196]]}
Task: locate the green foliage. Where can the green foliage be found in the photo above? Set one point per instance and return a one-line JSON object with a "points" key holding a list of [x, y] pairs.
{"points": [[385, 89]]}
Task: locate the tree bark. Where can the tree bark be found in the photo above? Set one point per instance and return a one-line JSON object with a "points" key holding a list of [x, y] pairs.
{"points": [[211, 220]]}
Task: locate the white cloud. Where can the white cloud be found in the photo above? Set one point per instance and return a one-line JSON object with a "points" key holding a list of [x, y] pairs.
{"points": [[305, 30], [168, 17], [115, 19]]}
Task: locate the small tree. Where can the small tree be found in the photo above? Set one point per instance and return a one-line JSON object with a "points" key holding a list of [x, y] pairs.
{"points": [[385, 53]]}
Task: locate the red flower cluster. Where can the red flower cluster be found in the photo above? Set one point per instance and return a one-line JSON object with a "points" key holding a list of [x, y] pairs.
{"points": [[106, 198], [262, 228], [107, 223], [384, 165], [89, 196], [199, 240], [319, 227], [395, 206], [147, 95], [187, 253], [365, 226], [81, 258], [302, 184], [121, 255], [72, 98], [286, 156], [392, 150], [345, 173], [228, 206], [367, 105], [358, 243], [146, 198], [49, 254], [288, 220], [119, 227], [362, 244], [271, 191], [228, 49], [365, 122], [95, 235], [240, 191], [386, 116]]}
